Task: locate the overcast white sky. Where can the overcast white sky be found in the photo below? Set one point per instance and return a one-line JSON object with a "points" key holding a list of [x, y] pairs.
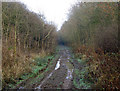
{"points": [[54, 10]]}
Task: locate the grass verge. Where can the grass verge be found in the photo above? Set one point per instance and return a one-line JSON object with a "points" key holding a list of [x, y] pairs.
{"points": [[80, 77], [38, 65]]}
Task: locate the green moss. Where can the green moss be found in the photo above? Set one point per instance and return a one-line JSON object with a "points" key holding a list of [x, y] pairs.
{"points": [[47, 70], [79, 60], [76, 71]]}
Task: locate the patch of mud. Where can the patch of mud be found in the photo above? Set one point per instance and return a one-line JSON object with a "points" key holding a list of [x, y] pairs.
{"points": [[56, 79], [56, 68], [62, 75], [34, 82]]}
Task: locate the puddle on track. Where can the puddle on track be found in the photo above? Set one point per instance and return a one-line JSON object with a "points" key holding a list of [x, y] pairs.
{"points": [[57, 67], [69, 72]]}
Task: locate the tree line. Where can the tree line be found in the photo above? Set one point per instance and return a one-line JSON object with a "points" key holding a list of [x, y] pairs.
{"points": [[92, 24], [26, 30], [24, 33]]}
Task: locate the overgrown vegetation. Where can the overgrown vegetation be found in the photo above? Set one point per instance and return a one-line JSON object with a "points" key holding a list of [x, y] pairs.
{"points": [[92, 31], [103, 68], [25, 35], [38, 65]]}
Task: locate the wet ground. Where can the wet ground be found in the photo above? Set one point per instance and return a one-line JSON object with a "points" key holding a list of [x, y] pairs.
{"points": [[62, 75]]}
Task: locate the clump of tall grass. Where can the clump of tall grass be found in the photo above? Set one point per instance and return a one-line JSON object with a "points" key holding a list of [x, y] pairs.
{"points": [[12, 68], [42, 53]]}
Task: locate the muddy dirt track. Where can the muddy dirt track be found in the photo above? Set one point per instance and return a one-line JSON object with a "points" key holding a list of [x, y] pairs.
{"points": [[61, 76]]}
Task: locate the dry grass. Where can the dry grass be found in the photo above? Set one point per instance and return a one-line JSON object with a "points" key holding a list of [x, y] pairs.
{"points": [[41, 54], [12, 68]]}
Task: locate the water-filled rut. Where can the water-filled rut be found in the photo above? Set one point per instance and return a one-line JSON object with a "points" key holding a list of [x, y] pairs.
{"points": [[62, 75]]}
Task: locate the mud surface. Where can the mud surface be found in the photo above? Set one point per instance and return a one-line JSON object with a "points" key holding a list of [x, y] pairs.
{"points": [[62, 75]]}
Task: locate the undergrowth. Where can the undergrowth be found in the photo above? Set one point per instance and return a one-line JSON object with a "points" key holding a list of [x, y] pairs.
{"points": [[16, 69], [103, 69], [81, 79]]}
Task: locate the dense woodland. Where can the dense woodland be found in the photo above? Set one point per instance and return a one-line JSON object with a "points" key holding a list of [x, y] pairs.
{"points": [[92, 31], [25, 33], [93, 24]]}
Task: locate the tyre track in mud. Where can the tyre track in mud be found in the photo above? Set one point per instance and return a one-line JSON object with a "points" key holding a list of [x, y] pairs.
{"points": [[61, 77]]}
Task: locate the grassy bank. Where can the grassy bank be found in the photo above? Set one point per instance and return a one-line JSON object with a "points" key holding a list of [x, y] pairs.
{"points": [[37, 66]]}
